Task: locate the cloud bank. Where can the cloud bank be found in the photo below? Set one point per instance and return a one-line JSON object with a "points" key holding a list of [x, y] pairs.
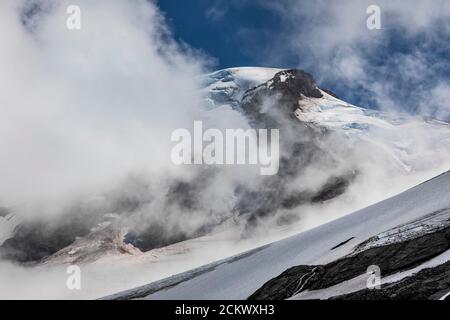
{"points": [[81, 109]]}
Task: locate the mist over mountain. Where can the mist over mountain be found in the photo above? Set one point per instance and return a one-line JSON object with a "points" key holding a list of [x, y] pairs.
{"points": [[87, 121], [328, 149]]}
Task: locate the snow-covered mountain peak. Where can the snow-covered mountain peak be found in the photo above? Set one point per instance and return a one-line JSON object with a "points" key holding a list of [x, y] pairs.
{"points": [[227, 86], [413, 143]]}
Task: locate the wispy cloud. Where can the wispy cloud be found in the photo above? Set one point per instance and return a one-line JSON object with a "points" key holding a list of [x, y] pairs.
{"points": [[403, 65], [217, 11]]}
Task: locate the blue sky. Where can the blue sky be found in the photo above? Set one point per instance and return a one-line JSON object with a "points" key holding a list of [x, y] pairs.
{"points": [[403, 66], [223, 30]]}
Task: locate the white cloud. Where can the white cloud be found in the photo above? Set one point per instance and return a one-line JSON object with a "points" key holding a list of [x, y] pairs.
{"points": [[439, 100], [82, 109]]}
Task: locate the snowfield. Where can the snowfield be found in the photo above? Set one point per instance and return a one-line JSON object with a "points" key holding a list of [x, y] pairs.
{"points": [[227, 86], [239, 276]]}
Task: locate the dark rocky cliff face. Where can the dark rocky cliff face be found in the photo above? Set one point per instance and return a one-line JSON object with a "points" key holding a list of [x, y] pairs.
{"points": [[38, 239], [281, 94], [273, 105], [391, 259]]}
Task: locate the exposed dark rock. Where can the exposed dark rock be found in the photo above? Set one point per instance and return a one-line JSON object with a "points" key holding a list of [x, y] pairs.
{"points": [[331, 93], [181, 199], [428, 284], [390, 258], [289, 283], [273, 196], [186, 194], [154, 236], [272, 105], [36, 240], [295, 82], [342, 243], [283, 92], [334, 187]]}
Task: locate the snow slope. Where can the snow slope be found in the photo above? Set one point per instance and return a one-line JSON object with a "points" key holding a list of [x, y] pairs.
{"points": [[238, 277], [414, 143], [227, 86]]}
